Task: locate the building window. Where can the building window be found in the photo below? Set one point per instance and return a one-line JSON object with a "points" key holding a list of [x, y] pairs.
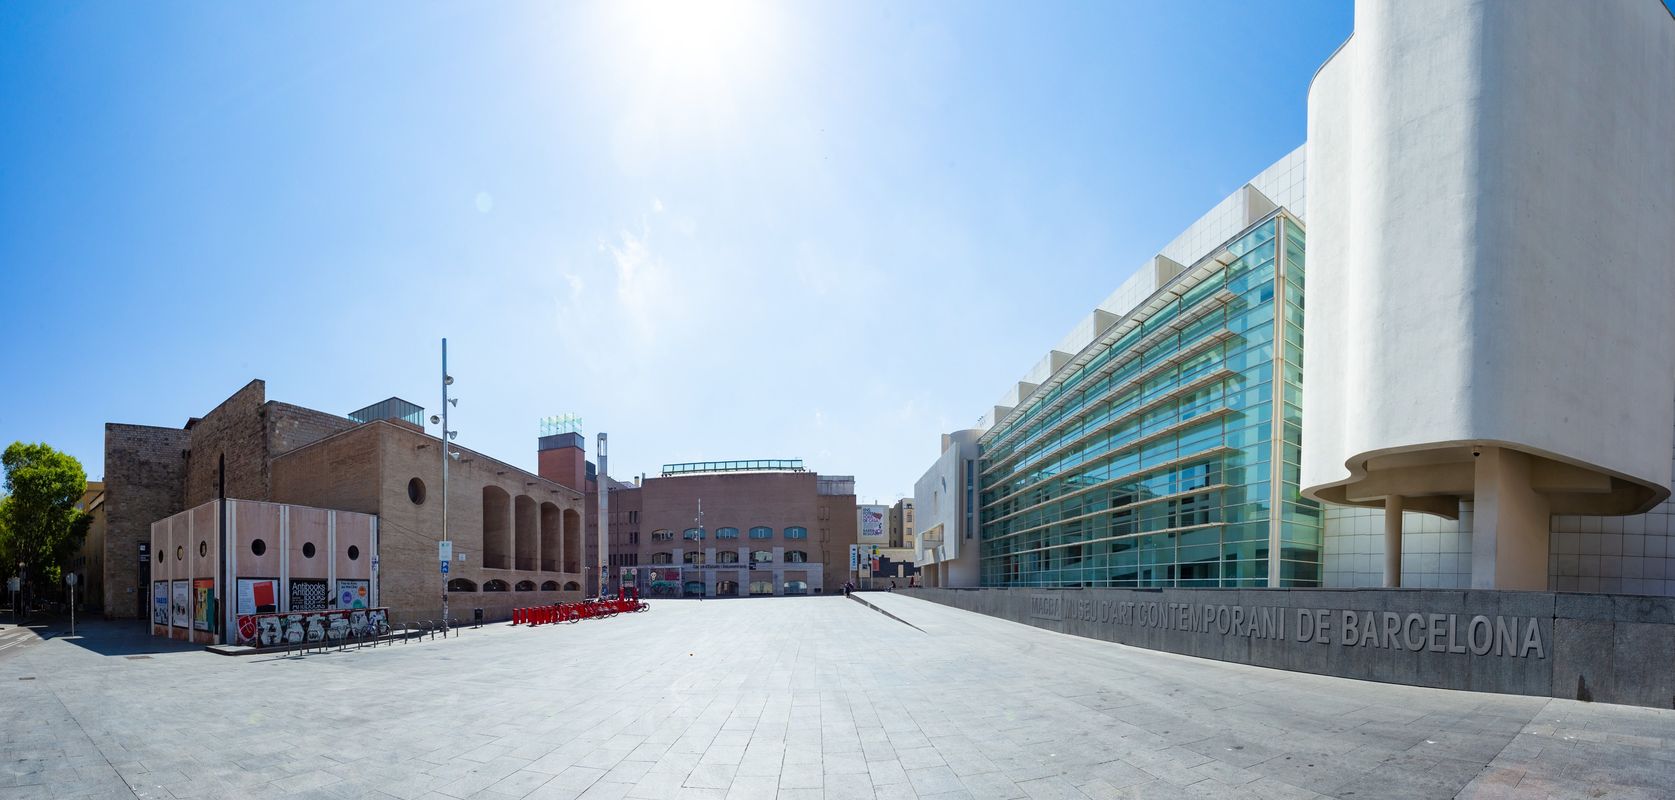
{"points": [[761, 532], [796, 587], [572, 586], [308, 550], [728, 588], [796, 557], [796, 532], [461, 585], [693, 588], [693, 534], [726, 533], [549, 586], [526, 586], [726, 557], [416, 491], [495, 586], [762, 557], [693, 558], [662, 535], [761, 587], [354, 553], [662, 558], [258, 547]]}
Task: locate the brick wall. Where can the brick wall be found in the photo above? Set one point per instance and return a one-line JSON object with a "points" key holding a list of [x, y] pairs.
{"points": [[236, 430], [145, 478], [291, 427]]}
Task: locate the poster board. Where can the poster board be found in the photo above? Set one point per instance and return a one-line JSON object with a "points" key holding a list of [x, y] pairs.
{"points": [[354, 594], [203, 593], [180, 607], [160, 603], [308, 595], [258, 595]]}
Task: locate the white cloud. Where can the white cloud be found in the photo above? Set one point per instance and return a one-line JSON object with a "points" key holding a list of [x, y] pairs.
{"points": [[657, 205]]}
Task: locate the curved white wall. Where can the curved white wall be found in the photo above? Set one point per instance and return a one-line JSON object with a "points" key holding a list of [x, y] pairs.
{"points": [[1491, 193]]}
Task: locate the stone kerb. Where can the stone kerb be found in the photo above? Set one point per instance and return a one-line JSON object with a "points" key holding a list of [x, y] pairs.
{"points": [[1587, 647]]}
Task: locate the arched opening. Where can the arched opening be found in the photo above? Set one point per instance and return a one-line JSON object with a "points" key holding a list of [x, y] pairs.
{"points": [[727, 557], [693, 588], [525, 586], [550, 537], [693, 534], [528, 538], [726, 533], [662, 535], [572, 541], [496, 585], [796, 532], [796, 587], [796, 557], [761, 556], [693, 558], [761, 532], [761, 587], [497, 528], [572, 586], [727, 587], [461, 585], [549, 586], [662, 558]]}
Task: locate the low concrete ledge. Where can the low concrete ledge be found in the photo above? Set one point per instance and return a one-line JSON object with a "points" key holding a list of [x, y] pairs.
{"points": [[1606, 648]]}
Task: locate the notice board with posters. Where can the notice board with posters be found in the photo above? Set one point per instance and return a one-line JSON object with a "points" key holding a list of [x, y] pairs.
{"points": [[354, 594], [308, 595], [180, 605], [203, 592], [258, 595], [160, 602]]}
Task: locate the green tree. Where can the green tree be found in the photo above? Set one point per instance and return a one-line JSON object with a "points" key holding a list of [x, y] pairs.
{"points": [[40, 525]]}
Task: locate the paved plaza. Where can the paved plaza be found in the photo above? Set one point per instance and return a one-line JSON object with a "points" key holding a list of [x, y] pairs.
{"points": [[785, 697]]}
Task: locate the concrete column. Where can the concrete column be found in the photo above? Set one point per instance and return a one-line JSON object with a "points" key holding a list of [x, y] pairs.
{"points": [[1510, 524], [1393, 541]]}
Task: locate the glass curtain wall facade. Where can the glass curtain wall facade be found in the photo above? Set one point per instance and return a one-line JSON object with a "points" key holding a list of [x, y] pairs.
{"points": [[1169, 456]]}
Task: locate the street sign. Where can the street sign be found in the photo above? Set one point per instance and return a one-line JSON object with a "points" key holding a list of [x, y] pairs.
{"points": [[445, 551], [13, 584], [374, 563], [444, 568], [854, 557], [70, 579], [462, 556]]}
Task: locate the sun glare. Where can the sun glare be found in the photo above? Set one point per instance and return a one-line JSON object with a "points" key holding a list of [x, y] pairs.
{"points": [[699, 49]]}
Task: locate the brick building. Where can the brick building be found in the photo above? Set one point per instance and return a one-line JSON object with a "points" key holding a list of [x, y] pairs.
{"points": [[764, 527], [511, 528]]}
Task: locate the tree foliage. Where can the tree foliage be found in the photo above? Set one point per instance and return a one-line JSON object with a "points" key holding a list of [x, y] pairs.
{"points": [[40, 525]]}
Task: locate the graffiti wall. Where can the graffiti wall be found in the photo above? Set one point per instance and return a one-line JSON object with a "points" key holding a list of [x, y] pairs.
{"points": [[269, 630]]}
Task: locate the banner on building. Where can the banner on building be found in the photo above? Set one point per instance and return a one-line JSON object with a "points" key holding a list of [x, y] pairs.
{"points": [[354, 594], [872, 522], [308, 595], [203, 592], [854, 557], [180, 606], [258, 595], [160, 602]]}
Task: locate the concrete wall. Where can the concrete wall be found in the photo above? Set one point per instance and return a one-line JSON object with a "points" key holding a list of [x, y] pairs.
{"points": [[1588, 647], [939, 503]]}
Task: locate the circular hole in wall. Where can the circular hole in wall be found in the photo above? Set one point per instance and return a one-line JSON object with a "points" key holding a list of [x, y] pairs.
{"points": [[416, 491], [179, 553], [354, 553], [258, 547], [203, 548], [308, 550]]}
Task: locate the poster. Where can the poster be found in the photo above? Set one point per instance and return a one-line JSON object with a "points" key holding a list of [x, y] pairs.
{"points": [[258, 595], [180, 609], [308, 595], [160, 602], [203, 591], [354, 594]]}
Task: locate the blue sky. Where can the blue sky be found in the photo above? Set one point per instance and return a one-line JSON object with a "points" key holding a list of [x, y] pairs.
{"points": [[817, 230]]}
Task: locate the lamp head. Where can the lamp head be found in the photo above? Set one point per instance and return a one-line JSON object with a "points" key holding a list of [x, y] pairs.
{"points": [[435, 420]]}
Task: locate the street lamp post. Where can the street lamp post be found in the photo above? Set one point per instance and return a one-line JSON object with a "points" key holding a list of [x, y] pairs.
{"points": [[445, 547]]}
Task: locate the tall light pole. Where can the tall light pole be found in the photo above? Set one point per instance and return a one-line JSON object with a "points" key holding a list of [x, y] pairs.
{"points": [[604, 517], [446, 547]]}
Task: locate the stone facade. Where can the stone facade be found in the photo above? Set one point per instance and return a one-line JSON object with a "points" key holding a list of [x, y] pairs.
{"points": [[145, 476], [509, 527]]}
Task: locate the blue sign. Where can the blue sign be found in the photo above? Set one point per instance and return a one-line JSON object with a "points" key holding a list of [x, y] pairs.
{"points": [[444, 568]]}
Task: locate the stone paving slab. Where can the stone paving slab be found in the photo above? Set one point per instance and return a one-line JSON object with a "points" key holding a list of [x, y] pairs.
{"points": [[816, 697]]}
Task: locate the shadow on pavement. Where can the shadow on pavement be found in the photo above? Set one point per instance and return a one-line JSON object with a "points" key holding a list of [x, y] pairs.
{"points": [[119, 638]]}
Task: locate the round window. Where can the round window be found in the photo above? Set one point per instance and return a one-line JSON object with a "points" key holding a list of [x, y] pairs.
{"points": [[308, 550], [354, 553], [416, 491], [258, 547], [179, 553], [203, 548]]}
